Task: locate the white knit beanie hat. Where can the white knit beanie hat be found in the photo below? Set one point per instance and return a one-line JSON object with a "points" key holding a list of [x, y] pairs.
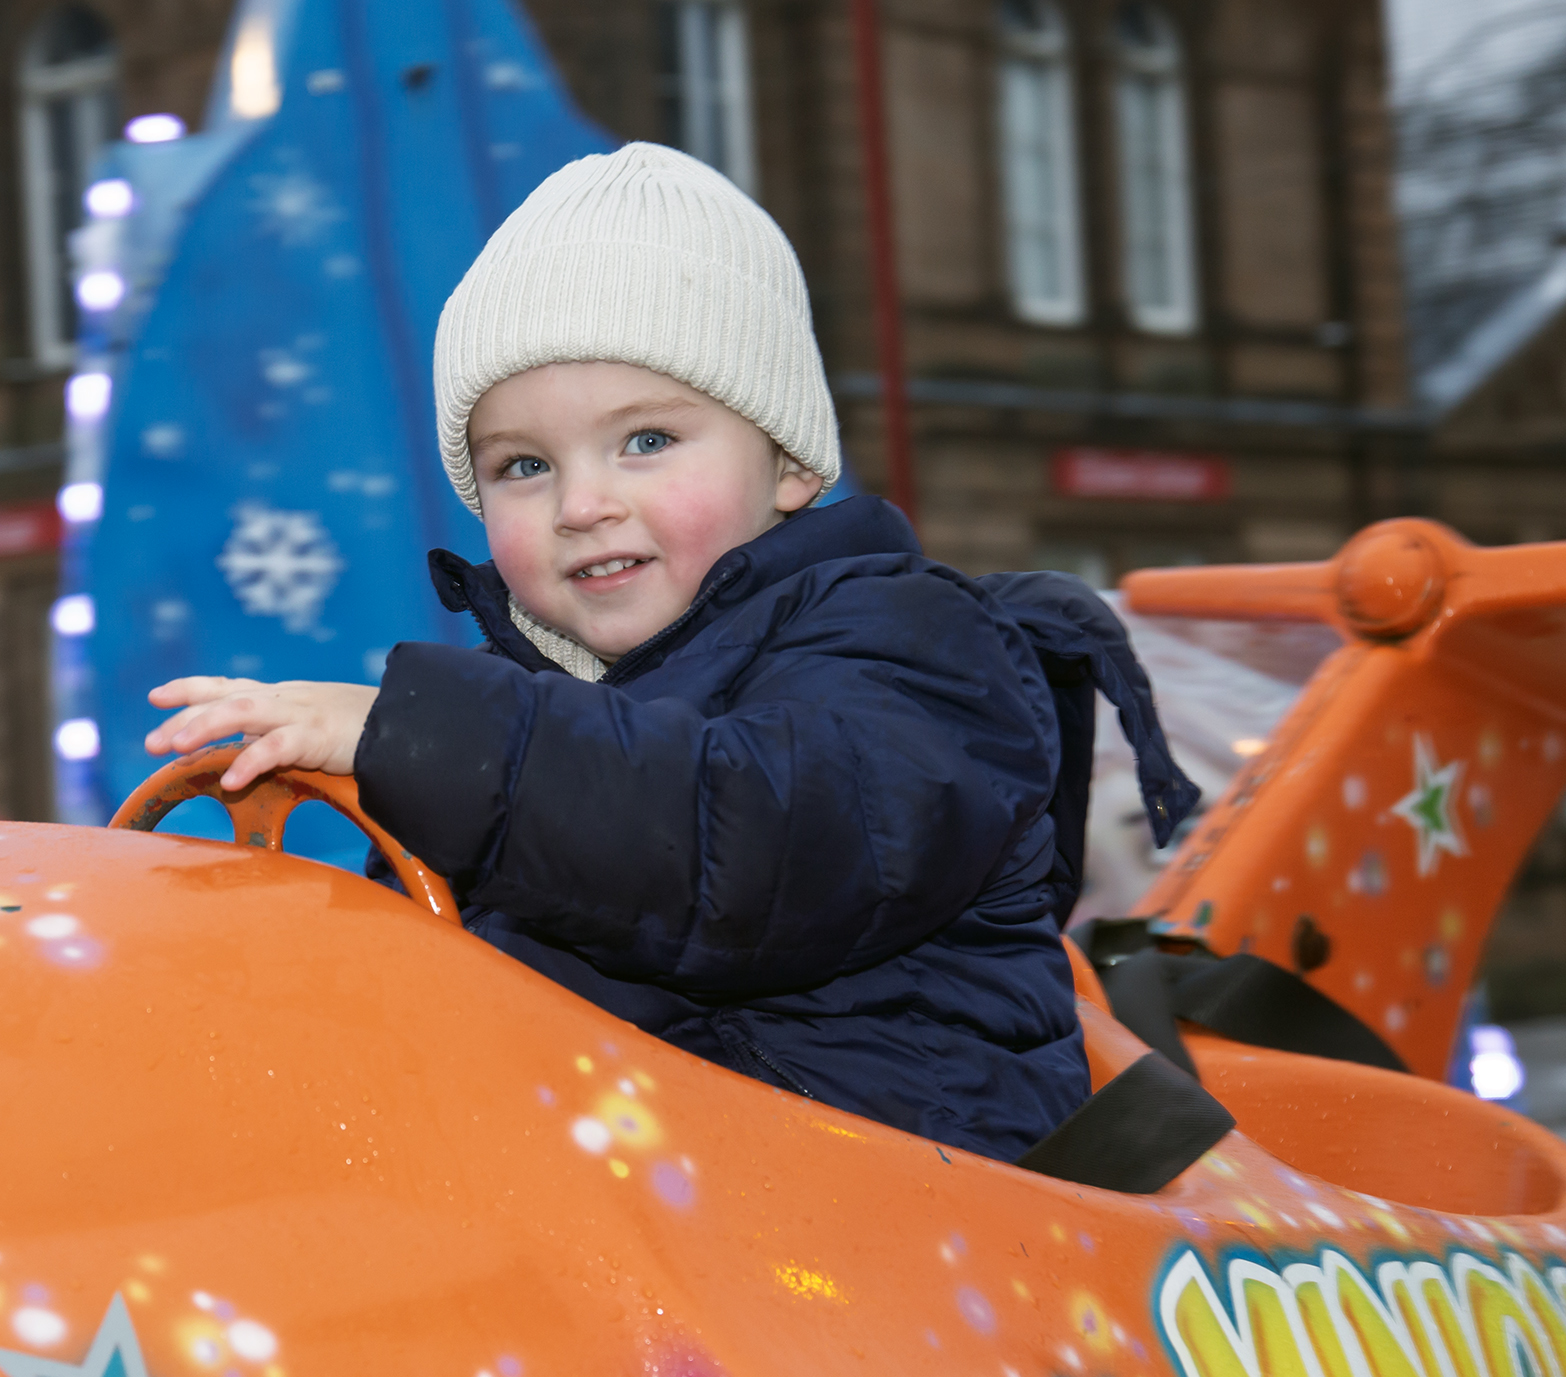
{"points": [[644, 256]]}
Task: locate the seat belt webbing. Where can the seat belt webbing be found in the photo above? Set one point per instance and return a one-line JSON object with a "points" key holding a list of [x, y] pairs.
{"points": [[1137, 1134]]}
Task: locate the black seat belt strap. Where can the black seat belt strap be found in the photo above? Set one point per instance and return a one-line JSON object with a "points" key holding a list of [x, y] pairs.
{"points": [[1254, 1001], [1241, 997], [1137, 1134]]}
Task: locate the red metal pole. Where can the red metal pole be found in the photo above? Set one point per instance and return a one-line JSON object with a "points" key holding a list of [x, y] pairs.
{"points": [[883, 262]]}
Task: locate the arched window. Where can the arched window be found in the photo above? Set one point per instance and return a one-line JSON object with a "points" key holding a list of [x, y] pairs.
{"points": [[704, 85], [1039, 164], [1159, 266], [69, 111]]}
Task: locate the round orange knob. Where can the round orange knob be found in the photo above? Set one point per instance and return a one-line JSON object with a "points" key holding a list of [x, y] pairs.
{"points": [[1390, 581]]}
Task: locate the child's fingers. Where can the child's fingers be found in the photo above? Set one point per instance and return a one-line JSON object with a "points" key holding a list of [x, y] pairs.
{"points": [[242, 714], [314, 726], [171, 735], [197, 688], [196, 693], [171, 726], [160, 739], [192, 694], [274, 751]]}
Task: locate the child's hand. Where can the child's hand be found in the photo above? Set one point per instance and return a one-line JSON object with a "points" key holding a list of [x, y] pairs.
{"points": [[313, 726]]}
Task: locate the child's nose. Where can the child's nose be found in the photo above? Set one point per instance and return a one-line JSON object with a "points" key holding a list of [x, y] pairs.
{"points": [[586, 500]]}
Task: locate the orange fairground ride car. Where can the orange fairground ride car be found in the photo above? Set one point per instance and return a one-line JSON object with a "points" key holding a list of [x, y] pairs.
{"points": [[237, 1145]]}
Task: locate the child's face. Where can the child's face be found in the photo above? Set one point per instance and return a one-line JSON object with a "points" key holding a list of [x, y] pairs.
{"points": [[580, 465]]}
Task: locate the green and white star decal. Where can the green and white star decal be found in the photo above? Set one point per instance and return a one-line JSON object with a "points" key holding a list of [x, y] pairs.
{"points": [[114, 1353], [1430, 807]]}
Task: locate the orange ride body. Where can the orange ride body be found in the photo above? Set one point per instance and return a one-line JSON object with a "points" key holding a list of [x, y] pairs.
{"points": [[269, 1118]]}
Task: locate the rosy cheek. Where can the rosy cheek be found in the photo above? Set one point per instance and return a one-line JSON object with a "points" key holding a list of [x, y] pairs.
{"points": [[695, 525], [517, 550]]}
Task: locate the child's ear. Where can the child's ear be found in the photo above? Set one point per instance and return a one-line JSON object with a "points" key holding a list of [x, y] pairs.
{"points": [[797, 485]]}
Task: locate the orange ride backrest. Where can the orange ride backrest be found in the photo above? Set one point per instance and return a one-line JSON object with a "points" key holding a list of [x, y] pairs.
{"points": [[1369, 845]]}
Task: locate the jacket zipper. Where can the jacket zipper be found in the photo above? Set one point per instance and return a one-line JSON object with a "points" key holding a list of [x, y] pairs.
{"points": [[789, 1082], [622, 668]]}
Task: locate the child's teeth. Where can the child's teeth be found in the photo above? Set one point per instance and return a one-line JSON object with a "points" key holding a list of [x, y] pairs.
{"points": [[598, 571]]}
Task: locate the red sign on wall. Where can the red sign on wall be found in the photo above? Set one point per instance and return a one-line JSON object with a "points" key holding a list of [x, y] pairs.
{"points": [[26, 528], [1140, 475]]}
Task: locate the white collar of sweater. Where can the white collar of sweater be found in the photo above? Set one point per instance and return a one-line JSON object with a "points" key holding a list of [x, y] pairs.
{"points": [[573, 657]]}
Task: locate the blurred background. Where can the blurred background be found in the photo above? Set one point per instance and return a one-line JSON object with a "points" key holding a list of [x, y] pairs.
{"points": [[1179, 282]]}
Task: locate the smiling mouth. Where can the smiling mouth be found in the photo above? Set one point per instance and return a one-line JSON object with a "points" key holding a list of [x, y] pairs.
{"points": [[609, 566]]}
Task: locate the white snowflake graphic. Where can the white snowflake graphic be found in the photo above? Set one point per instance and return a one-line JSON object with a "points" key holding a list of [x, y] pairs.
{"points": [[280, 564], [293, 205]]}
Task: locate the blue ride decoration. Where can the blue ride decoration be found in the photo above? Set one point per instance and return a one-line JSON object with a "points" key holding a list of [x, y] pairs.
{"points": [[268, 470]]}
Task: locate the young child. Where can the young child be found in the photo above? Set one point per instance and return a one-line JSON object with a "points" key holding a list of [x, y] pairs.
{"points": [[757, 777]]}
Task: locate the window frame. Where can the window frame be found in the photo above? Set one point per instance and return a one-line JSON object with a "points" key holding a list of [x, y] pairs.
{"points": [[1045, 58], [83, 81], [1159, 75], [718, 93]]}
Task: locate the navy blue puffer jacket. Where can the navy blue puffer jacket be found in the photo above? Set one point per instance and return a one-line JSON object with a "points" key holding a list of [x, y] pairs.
{"points": [[806, 831]]}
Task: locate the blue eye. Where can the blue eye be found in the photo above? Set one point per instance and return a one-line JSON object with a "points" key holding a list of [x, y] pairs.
{"points": [[528, 467], [647, 442]]}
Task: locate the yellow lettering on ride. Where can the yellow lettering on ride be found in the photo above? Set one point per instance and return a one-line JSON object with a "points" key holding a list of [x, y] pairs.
{"points": [[1207, 1340], [1417, 1319], [1318, 1323], [1265, 1340], [1543, 1307], [1369, 1321], [1558, 1282], [1277, 1350], [1448, 1324], [1505, 1329], [1395, 1283]]}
